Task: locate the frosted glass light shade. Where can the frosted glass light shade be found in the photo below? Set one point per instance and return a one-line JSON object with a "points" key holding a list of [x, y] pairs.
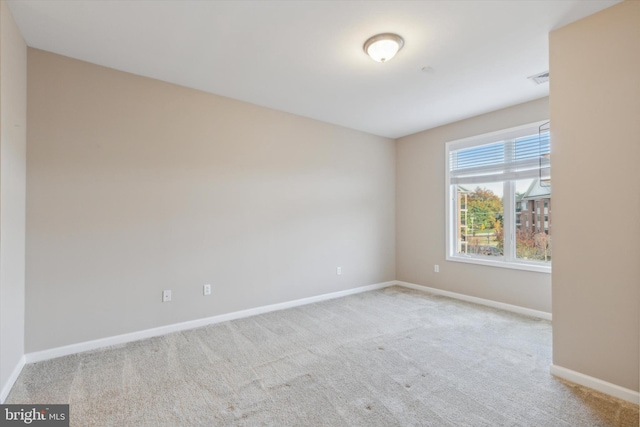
{"points": [[383, 47]]}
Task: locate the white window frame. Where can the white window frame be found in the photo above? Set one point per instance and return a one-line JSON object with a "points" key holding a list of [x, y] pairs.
{"points": [[507, 260]]}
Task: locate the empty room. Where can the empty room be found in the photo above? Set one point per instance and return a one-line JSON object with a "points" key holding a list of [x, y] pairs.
{"points": [[319, 213]]}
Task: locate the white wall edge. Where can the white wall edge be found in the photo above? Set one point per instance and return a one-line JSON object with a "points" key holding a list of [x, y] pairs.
{"points": [[489, 303], [12, 379], [596, 384], [52, 353]]}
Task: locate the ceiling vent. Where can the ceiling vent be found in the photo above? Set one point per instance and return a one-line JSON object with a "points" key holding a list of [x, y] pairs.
{"points": [[540, 78]]}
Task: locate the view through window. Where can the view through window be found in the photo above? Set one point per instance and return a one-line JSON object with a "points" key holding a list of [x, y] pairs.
{"points": [[500, 197]]}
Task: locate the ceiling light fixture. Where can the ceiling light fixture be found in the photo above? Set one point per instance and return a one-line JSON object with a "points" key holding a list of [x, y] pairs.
{"points": [[383, 47]]}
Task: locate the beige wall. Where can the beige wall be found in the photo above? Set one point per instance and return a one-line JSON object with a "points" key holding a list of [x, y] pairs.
{"points": [[420, 214], [13, 128], [595, 116], [135, 186]]}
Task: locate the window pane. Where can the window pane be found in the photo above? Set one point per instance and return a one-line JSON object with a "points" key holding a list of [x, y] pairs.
{"points": [[480, 219], [533, 220], [474, 157]]}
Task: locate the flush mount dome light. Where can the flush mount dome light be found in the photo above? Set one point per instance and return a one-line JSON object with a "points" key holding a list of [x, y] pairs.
{"points": [[383, 47]]}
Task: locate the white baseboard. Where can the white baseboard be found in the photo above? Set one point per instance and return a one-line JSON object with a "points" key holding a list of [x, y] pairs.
{"points": [[490, 303], [596, 384], [6, 388], [52, 353]]}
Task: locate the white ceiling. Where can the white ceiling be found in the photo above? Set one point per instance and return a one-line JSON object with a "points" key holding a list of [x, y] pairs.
{"points": [[306, 57]]}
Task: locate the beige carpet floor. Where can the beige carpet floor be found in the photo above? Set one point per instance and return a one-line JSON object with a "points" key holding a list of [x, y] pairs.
{"points": [[393, 357]]}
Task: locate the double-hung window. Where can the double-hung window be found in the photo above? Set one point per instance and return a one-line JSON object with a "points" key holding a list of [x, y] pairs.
{"points": [[499, 207]]}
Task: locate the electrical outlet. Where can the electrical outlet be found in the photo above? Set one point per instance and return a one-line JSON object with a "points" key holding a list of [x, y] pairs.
{"points": [[339, 271], [206, 289], [166, 296], [436, 268]]}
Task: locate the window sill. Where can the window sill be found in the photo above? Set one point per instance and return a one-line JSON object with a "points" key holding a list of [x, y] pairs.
{"points": [[500, 263]]}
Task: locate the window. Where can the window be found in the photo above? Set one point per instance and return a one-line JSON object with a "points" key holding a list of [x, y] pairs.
{"points": [[498, 192]]}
